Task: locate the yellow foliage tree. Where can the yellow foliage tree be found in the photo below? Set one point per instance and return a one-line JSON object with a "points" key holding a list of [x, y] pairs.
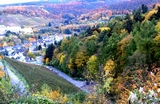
{"points": [[56, 96], [92, 37], [104, 29], [31, 55], [47, 60], [64, 42], [95, 33], [62, 58], [92, 66], [1, 72], [59, 55], [156, 6], [157, 38], [81, 58], [123, 31], [110, 65], [157, 27], [70, 65], [123, 43], [149, 14]]}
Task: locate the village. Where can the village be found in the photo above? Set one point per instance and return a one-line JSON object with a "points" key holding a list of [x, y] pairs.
{"points": [[34, 46]]}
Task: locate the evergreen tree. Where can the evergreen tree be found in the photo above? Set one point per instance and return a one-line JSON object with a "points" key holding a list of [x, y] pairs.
{"points": [[49, 51], [144, 8], [129, 24], [49, 24], [137, 15], [91, 47], [144, 41], [39, 47]]}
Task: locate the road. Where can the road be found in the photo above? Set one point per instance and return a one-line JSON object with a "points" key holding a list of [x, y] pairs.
{"points": [[79, 84]]}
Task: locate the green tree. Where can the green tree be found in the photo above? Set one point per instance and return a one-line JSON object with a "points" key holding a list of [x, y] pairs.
{"points": [[91, 46], [137, 15], [109, 47], [39, 47], [64, 44], [145, 42], [49, 52], [156, 50], [92, 66], [157, 27], [31, 55], [144, 8], [129, 23], [146, 46], [49, 24], [80, 61]]}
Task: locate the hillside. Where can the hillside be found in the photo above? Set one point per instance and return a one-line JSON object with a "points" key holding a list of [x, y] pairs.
{"points": [[123, 56], [37, 76], [76, 8], [20, 20], [119, 60]]}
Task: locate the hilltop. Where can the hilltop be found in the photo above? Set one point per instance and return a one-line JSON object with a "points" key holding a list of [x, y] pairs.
{"points": [[66, 12], [49, 9]]}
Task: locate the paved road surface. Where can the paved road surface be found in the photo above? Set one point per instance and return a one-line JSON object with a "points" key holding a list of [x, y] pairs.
{"points": [[79, 84]]}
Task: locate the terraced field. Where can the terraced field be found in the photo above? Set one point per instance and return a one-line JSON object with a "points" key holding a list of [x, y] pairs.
{"points": [[36, 76]]}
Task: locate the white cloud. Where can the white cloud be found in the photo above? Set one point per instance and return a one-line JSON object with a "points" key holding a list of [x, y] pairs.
{"points": [[16, 1]]}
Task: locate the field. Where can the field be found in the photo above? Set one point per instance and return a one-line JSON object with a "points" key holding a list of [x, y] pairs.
{"points": [[36, 76], [20, 20]]}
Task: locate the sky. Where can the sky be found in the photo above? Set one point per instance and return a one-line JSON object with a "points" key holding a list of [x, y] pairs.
{"points": [[15, 1]]}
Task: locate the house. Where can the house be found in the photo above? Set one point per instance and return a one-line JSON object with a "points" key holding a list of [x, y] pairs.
{"points": [[27, 30], [34, 43], [1, 36], [18, 56], [19, 48], [26, 44], [32, 48], [58, 38]]}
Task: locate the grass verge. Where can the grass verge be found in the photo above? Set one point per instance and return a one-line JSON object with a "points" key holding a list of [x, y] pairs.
{"points": [[36, 76]]}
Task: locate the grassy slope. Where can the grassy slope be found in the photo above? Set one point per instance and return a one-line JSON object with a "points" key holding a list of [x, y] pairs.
{"points": [[39, 75]]}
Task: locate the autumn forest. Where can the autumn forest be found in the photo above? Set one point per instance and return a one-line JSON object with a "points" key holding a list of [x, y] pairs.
{"points": [[119, 61], [120, 56]]}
